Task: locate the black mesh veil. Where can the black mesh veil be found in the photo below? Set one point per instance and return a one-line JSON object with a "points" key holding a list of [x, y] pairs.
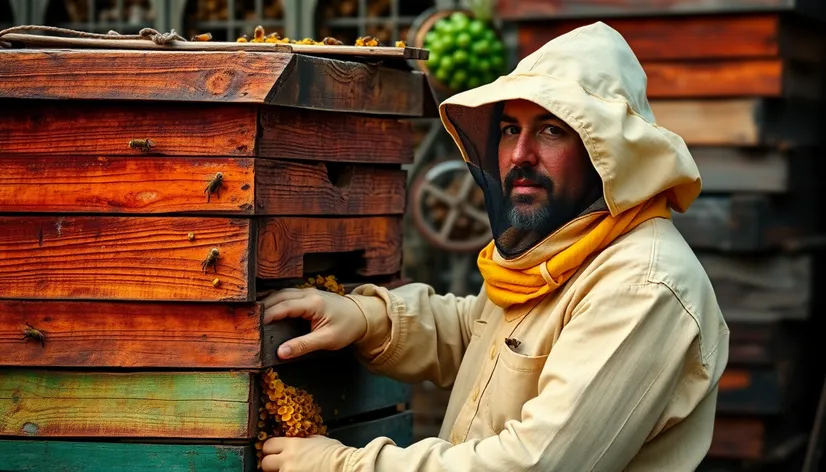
{"points": [[478, 129]]}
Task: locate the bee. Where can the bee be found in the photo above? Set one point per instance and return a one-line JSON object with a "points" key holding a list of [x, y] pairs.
{"points": [[30, 332], [242, 39], [329, 41], [211, 260], [368, 41], [214, 185], [202, 37], [512, 343], [143, 144], [258, 34]]}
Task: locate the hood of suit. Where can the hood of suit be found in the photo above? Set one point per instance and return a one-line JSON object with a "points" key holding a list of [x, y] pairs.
{"points": [[591, 79]]}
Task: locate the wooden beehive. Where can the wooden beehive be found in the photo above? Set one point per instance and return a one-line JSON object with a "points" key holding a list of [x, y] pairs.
{"points": [[149, 357], [742, 81]]}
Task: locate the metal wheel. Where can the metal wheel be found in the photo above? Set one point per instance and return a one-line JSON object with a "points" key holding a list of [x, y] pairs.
{"points": [[448, 208]]}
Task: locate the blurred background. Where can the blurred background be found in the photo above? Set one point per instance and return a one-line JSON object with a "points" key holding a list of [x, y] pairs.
{"points": [[742, 81]]}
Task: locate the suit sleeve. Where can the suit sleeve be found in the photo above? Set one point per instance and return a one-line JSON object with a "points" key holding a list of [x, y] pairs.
{"points": [[601, 393], [413, 334]]}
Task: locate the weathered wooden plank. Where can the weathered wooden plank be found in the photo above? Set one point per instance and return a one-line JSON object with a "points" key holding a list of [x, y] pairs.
{"points": [[363, 246], [513, 10], [343, 386], [125, 185], [674, 37], [307, 188], [215, 405], [750, 287], [106, 129], [134, 335], [738, 223], [725, 78], [73, 456], [153, 185], [124, 258], [730, 169], [341, 137], [344, 86], [186, 76], [752, 391], [739, 122], [398, 427], [738, 438]]}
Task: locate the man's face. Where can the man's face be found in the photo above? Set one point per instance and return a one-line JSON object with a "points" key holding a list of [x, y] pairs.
{"points": [[546, 173]]}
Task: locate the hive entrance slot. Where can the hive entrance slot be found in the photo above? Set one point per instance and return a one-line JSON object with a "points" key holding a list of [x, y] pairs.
{"points": [[344, 265], [339, 174]]}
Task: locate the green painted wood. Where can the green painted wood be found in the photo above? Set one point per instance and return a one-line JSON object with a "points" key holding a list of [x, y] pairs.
{"points": [[146, 404], [69, 456], [398, 427], [342, 386]]}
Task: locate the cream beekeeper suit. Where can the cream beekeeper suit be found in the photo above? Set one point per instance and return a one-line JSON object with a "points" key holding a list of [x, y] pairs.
{"points": [[617, 363]]}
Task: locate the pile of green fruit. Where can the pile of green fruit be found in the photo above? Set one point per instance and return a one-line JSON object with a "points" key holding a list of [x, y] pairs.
{"points": [[464, 52]]}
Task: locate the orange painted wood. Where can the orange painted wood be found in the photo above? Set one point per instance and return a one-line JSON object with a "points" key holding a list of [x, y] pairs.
{"points": [[87, 184], [738, 438], [66, 74], [123, 258], [315, 188], [314, 135], [293, 247], [715, 79], [552, 9], [674, 37], [105, 129], [132, 334]]}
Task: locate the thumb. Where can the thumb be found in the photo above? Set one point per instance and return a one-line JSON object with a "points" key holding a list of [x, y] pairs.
{"points": [[302, 345]]}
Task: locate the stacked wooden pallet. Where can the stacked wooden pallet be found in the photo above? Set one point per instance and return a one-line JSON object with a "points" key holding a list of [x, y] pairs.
{"points": [[148, 200], [742, 83]]}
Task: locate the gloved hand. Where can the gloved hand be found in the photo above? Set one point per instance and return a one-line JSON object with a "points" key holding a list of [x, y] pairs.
{"points": [[312, 454]]}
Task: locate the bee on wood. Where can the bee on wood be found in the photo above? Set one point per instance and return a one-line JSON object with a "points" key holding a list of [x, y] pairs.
{"points": [[211, 260], [214, 185], [512, 343], [368, 41], [329, 41], [30, 332], [143, 144], [202, 37]]}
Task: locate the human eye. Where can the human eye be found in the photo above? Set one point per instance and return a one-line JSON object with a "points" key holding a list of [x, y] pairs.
{"points": [[553, 130], [509, 130]]}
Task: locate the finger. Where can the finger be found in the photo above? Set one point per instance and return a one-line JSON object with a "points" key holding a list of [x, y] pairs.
{"points": [[295, 308], [271, 463], [282, 295], [274, 445], [303, 345]]}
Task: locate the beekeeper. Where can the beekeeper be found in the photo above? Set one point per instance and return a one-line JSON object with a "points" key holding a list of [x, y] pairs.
{"points": [[596, 342]]}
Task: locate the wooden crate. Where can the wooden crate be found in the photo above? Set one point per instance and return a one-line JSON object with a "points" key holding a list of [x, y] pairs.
{"points": [[149, 356]]}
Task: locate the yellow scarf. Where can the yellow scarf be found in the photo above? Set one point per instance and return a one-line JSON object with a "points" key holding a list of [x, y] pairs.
{"points": [[507, 287]]}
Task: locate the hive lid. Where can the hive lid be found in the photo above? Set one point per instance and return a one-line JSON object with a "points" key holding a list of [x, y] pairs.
{"points": [[329, 78]]}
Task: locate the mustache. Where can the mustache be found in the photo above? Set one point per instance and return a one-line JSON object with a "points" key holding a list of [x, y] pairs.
{"points": [[527, 173]]}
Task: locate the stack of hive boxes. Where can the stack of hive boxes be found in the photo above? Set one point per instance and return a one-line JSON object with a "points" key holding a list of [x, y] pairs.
{"points": [[149, 199], [742, 83]]}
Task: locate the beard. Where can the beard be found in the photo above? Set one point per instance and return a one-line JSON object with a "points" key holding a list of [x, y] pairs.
{"points": [[536, 213]]}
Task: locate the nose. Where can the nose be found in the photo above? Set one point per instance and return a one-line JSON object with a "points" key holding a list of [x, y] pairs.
{"points": [[524, 152]]}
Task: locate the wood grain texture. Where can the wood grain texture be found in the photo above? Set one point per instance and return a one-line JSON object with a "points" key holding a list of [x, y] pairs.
{"points": [[738, 438], [398, 427], [344, 86], [74, 456], [542, 9], [727, 78], [123, 258], [730, 169], [134, 335], [337, 137], [47, 403], [105, 129], [741, 223], [711, 122], [284, 244], [65, 74], [768, 287], [124, 185], [307, 188], [674, 37]]}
